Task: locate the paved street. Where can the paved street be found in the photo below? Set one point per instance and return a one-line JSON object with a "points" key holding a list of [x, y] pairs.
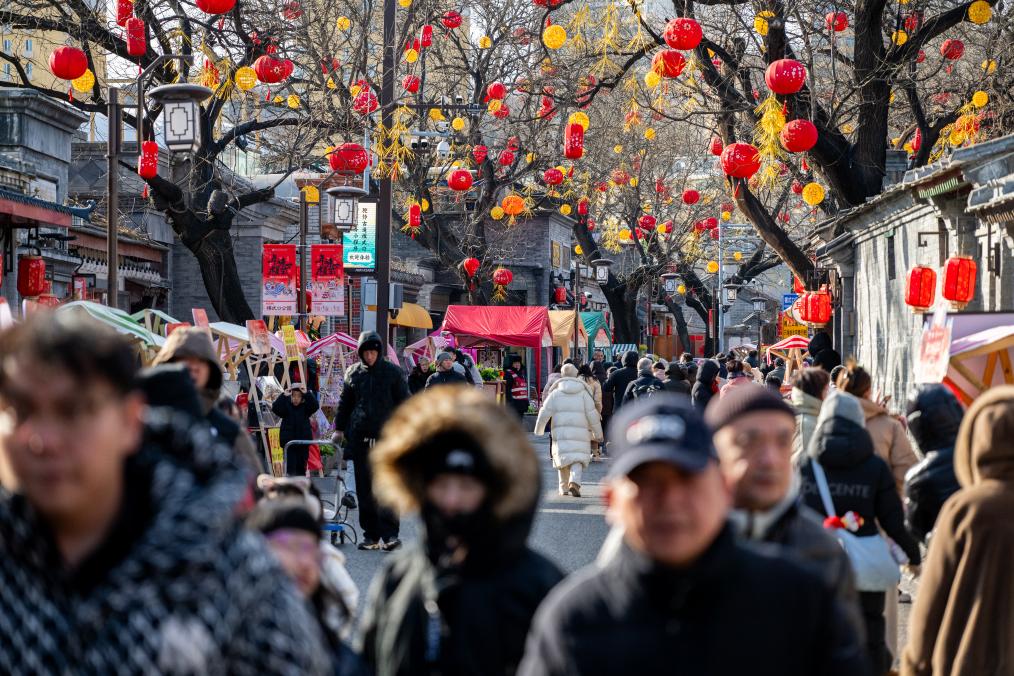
{"points": [[568, 530]]}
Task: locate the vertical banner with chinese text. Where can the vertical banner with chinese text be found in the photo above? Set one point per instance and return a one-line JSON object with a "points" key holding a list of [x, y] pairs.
{"points": [[327, 280], [278, 280]]}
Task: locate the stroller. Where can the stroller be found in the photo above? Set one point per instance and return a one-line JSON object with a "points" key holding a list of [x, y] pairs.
{"points": [[334, 499]]}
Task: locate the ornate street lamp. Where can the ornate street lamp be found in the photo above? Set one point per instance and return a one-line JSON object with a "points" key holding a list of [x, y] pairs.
{"points": [[601, 266], [181, 114]]}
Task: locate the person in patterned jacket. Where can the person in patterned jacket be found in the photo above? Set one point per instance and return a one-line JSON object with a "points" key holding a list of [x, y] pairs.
{"points": [[120, 551]]}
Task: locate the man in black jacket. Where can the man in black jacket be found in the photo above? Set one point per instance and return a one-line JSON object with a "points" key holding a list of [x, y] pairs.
{"points": [[419, 374], [616, 384], [645, 385], [681, 594], [373, 389], [461, 601], [295, 408], [445, 375], [934, 417]]}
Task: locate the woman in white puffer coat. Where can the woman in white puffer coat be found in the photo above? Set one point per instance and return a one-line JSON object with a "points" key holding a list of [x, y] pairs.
{"points": [[575, 424]]}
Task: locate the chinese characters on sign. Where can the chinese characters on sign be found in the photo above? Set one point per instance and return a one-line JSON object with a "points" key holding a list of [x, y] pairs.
{"points": [[278, 280], [327, 280], [291, 348], [360, 244], [934, 354]]}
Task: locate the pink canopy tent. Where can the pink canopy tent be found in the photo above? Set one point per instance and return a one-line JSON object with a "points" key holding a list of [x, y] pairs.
{"points": [[501, 325], [344, 339]]}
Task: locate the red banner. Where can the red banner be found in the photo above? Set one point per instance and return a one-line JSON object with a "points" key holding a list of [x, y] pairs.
{"points": [[326, 262], [278, 279]]}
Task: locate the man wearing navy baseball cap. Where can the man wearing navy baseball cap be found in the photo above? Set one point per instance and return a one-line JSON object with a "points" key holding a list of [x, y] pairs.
{"points": [[682, 593]]}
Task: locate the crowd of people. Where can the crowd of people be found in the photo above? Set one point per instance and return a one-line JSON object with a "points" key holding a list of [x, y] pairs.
{"points": [[750, 532]]}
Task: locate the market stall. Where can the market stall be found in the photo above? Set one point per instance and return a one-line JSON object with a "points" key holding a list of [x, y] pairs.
{"points": [[596, 326], [502, 326], [334, 354], [790, 349], [980, 361], [562, 323], [154, 320], [148, 343]]}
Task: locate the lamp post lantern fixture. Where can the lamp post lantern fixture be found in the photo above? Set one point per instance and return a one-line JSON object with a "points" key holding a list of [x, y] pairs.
{"points": [[731, 293], [181, 114], [759, 305], [670, 281], [601, 266]]}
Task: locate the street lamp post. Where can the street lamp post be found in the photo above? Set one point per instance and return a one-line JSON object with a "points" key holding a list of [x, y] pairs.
{"points": [[758, 307]]}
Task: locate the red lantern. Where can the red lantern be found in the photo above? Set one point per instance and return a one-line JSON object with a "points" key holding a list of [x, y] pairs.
{"points": [[711, 223], [426, 36], [921, 288], [917, 140], [502, 276], [124, 10], [797, 188], [740, 160], [573, 141], [506, 158], [668, 63], [785, 76], [479, 154], [31, 276], [715, 234], [68, 63], [952, 49], [654, 329], [365, 102], [496, 91], [269, 70], [552, 176], [502, 112], [815, 308], [559, 295], [691, 196], [582, 206], [451, 19], [147, 163], [683, 33], [460, 180], [837, 21], [215, 6], [798, 136], [716, 145], [411, 83], [136, 43], [959, 281], [913, 21], [349, 158], [470, 266], [620, 177]]}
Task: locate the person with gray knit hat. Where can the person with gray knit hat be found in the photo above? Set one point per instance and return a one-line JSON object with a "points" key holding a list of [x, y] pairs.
{"points": [[754, 430], [446, 373], [864, 499], [646, 384]]}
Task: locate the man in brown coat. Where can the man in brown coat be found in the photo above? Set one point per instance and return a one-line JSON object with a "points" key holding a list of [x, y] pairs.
{"points": [[962, 622]]}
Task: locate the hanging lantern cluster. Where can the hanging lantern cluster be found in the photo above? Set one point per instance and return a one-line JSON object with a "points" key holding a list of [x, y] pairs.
{"points": [[921, 288], [479, 154], [502, 277], [815, 308], [683, 33], [740, 160], [147, 162]]}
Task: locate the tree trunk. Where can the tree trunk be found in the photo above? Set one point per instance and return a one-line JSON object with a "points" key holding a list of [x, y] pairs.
{"points": [[217, 260], [626, 328], [682, 332]]}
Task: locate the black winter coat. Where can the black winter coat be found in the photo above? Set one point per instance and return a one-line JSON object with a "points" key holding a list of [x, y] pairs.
{"points": [[858, 479], [370, 395], [737, 610], [616, 384], [417, 380], [451, 377], [701, 393], [295, 419], [641, 385]]}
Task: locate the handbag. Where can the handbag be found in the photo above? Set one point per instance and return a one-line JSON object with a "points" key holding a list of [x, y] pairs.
{"points": [[875, 568]]}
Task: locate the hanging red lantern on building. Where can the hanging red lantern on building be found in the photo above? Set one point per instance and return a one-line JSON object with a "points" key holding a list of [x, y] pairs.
{"points": [[215, 6], [683, 33], [921, 288], [470, 266], [147, 161], [740, 160], [451, 19], [815, 308], [798, 136], [691, 196], [68, 63], [269, 70], [414, 215], [136, 43], [411, 83], [573, 141], [654, 330], [124, 10], [426, 36], [460, 180], [31, 276], [716, 146], [552, 176], [582, 206], [959, 281], [668, 63], [349, 158], [836, 21], [646, 222], [502, 276], [952, 50], [785, 76], [797, 285]]}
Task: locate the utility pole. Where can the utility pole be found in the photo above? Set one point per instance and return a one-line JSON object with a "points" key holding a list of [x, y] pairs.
{"points": [[113, 196], [383, 265], [577, 306], [303, 215]]}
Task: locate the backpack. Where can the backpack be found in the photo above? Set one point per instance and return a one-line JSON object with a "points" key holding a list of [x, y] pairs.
{"points": [[645, 391]]}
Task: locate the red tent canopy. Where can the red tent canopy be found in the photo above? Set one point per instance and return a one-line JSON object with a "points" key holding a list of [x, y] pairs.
{"points": [[511, 325]]}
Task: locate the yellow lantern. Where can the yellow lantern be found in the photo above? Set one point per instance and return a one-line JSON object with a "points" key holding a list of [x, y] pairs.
{"points": [[760, 22], [311, 194], [813, 194], [530, 158], [661, 228], [899, 37], [891, 99], [617, 149], [85, 82], [649, 134], [404, 4], [292, 101], [565, 209], [578, 250], [681, 289], [493, 106], [633, 182], [625, 235], [331, 83], [436, 115], [980, 99], [726, 215], [581, 118], [355, 89], [957, 137], [485, 42], [989, 66], [425, 204], [554, 36], [712, 267], [245, 78], [344, 23], [652, 79], [737, 256], [411, 56], [979, 12], [908, 147], [457, 124], [278, 99], [496, 212]]}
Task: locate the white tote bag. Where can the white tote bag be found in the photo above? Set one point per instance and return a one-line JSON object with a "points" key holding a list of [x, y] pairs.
{"points": [[874, 566]]}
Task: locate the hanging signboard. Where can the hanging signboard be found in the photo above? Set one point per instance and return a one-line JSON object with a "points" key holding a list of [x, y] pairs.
{"points": [[327, 280], [934, 349], [359, 245], [289, 337], [278, 280], [790, 327], [260, 341]]}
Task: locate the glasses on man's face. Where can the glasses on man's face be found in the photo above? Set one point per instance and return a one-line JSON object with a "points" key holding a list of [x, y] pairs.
{"points": [[754, 441]]}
